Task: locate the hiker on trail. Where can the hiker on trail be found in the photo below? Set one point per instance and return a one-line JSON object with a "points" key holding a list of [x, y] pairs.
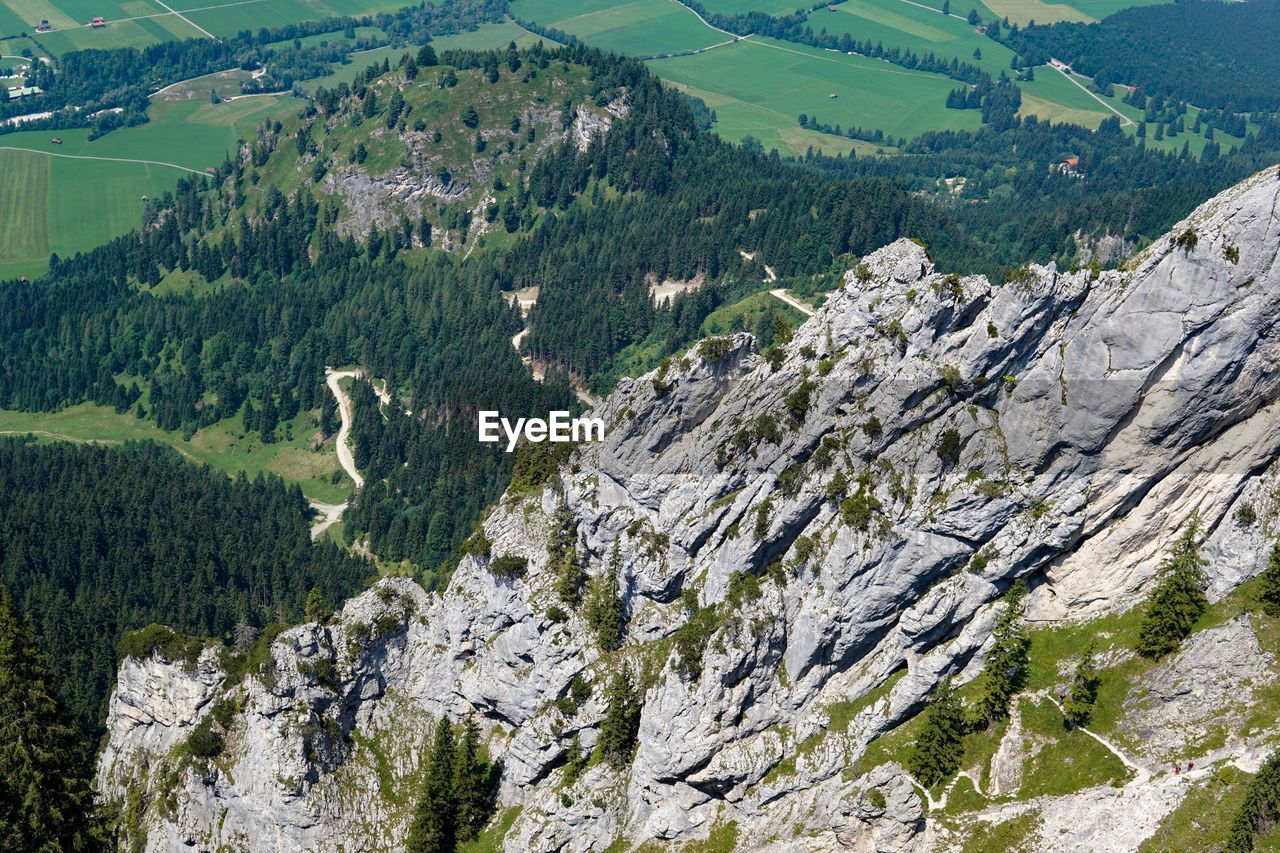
{"points": [[1177, 770], [1191, 766]]}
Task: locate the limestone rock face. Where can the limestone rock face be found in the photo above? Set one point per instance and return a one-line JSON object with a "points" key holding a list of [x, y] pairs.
{"points": [[806, 541]]}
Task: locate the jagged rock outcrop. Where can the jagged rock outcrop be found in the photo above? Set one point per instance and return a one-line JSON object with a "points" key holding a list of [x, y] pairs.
{"points": [[808, 521]]}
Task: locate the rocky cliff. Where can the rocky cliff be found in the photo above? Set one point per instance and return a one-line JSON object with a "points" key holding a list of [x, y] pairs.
{"points": [[828, 524]]}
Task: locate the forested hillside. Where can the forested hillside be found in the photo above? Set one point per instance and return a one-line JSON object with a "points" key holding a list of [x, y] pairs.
{"points": [[100, 541], [651, 196], [1211, 53], [565, 169]]}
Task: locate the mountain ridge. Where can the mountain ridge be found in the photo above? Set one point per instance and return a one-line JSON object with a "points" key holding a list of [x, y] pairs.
{"points": [[808, 540]]}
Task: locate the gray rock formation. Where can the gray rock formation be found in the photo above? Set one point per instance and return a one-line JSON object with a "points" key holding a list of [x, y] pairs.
{"points": [[843, 508]]}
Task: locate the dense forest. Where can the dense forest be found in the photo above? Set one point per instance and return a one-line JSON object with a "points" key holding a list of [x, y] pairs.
{"points": [[1211, 53], [99, 541]]}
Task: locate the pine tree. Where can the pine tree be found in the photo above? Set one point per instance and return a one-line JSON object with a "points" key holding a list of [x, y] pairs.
{"points": [[1270, 584], [604, 612], [1006, 666], [468, 783], [1260, 810], [1077, 705], [1178, 599], [46, 802], [434, 829], [938, 748], [621, 722], [316, 610]]}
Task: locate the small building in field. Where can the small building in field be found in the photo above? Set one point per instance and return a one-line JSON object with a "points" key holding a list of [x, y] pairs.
{"points": [[43, 27], [1069, 165], [98, 22], [57, 140]]}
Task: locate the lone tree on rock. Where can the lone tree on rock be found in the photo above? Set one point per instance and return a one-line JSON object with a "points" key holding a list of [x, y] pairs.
{"points": [[936, 754], [1270, 581], [1077, 705], [621, 724], [1006, 668], [1178, 599]]}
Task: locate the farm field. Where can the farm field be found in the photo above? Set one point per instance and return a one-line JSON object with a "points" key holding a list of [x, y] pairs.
{"points": [[220, 445], [777, 8], [135, 23], [1022, 12], [56, 202], [899, 24], [771, 82], [488, 36], [638, 27]]}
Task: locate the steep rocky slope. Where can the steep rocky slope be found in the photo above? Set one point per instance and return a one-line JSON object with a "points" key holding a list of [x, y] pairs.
{"points": [[835, 519]]}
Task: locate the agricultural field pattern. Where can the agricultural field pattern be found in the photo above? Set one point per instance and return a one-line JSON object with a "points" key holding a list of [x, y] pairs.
{"points": [[73, 194]]}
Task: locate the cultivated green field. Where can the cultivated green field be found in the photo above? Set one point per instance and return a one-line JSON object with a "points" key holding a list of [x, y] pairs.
{"points": [[220, 445], [638, 27], [912, 27], [132, 23], [1023, 12], [74, 196], [135, 23], [771, 82], [779, 8], [487, 36]]}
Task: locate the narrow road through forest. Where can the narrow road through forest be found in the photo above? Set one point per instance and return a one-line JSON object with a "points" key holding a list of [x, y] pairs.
{"points": [[331, 514]]}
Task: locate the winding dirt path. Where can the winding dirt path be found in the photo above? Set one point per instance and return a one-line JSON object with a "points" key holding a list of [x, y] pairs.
{"points": [[782, 294], [345, 457], [1125, 121], [331, 514], [108, 159]]}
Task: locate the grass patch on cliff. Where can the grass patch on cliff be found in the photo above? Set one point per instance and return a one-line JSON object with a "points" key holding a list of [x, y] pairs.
{"points": [[1203, 820], [1069, 761], [490, 839], [1017, 833]]}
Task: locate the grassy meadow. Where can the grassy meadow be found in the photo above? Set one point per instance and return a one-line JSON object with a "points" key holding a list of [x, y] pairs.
{"points": [[775, 81], [221, 445], [136, 23], [638, 27]]}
